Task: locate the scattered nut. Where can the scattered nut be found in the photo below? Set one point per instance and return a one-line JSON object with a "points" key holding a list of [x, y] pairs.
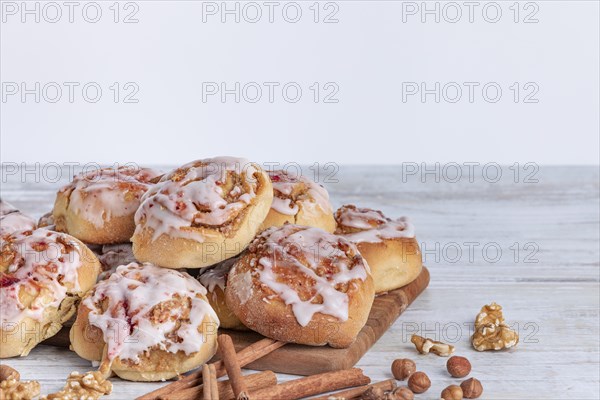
{"points": [[403, 368], [491, 332], [419, 382], [471, 388], [7, 373], [373, 393], [403, 393], [452, 392], [11, 387], [490, 314], [425, 346], [458, 367]]}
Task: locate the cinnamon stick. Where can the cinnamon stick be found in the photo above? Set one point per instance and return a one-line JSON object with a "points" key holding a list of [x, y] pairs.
{"points": [[312, 385], [386, 386], [245, 356], [232, 365], [255, 381], [209, 377]]}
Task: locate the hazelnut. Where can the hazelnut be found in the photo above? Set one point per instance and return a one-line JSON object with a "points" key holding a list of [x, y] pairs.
{"points": [[403, 368], [419, 382], [403, 393], [452, 392], [471, 388], [458, 367]]}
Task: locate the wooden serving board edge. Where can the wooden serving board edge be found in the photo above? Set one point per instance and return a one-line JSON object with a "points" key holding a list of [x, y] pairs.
{"points": [[306, 360]]}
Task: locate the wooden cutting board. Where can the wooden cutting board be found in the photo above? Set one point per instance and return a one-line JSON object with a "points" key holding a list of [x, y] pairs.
{"points": [[309, 360]]}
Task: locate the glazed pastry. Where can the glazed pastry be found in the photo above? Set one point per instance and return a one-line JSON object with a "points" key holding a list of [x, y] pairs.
{"points": [[146, 323], [389, 246], [298, 200], [12, 220], [202, 213], [214, 280], [301, 285], [97, 207], [43, 274]]}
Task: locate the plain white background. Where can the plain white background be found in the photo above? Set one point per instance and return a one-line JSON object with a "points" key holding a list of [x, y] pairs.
{"points": [[373, 55]]}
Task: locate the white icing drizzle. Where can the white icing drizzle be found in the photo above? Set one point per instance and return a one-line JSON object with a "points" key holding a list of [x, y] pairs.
{"points": [[285, 183], [137, 292], [12, 220], [43, 263], [100, 194], [216, 276], [193, 195], [367, 225], [323, 259]]}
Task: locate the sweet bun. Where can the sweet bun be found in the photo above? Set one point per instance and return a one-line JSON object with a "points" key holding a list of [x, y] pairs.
{"points": [[298, 200], [148, 323], [389, 246], [214, 280], [98, 206], [43, 275], [12, 220], [202, 213], [301, 285]]}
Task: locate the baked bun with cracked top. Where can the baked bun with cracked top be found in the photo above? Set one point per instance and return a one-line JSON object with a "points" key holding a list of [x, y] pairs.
{"points": [[202, 213], [301, 285], [148, 323], [12, 220], [299, 200], [98, 206], [214, 279], [389, 246], [43, 275]]}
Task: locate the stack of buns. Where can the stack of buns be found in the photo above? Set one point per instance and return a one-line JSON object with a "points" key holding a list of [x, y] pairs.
{"points": [[267, 249]]}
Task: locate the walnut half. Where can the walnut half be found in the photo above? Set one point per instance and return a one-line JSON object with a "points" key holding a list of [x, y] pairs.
{"points": [[491, 332], [425, 346], [14, 389], [89, 386]]}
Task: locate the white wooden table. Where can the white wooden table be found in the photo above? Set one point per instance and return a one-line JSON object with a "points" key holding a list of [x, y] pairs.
{"points": [[552, 296]]}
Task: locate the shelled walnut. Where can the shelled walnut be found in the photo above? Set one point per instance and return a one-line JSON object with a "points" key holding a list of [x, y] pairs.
{"points": [[490, 314], [11, 388], [491, 331], [494, 337], [90, 386], [425, 346]]}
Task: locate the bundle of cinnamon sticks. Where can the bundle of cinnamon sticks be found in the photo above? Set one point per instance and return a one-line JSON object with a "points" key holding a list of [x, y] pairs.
{"points": [[203, 384]]}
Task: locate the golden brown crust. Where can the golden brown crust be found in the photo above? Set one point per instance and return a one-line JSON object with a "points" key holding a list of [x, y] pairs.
{"points": [[156, 365], [394, 262], [24, 329], [148, 323], [199, 245], [298, 200], [258, 301], [389, 246], [98, 206], [214, 279]]}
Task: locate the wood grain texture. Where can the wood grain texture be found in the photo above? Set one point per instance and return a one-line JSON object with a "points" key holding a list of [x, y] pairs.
{"points": [[554, 297]]}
